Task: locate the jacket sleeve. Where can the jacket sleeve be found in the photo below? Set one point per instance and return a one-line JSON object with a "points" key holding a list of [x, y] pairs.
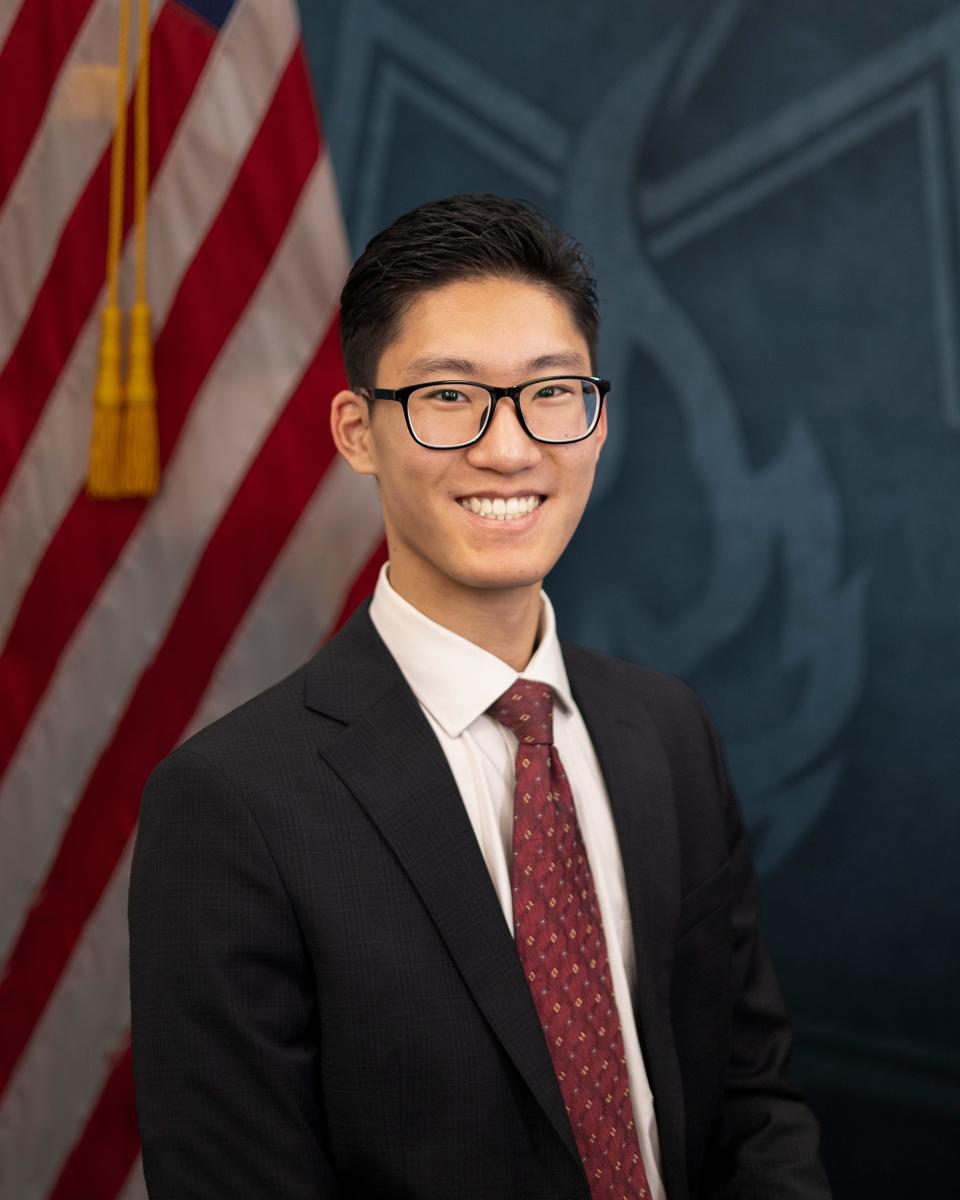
{"points": [[224, 1022], [765, 1145]]}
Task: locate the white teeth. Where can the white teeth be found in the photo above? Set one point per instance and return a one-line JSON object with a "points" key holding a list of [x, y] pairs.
{"points": [[499, 509]]}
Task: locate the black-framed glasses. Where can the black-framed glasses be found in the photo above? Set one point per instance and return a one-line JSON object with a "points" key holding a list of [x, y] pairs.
{"points": [[449, 414]]}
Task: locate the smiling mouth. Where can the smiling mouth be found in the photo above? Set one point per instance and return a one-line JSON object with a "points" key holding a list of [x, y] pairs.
{"points": [[499, 509]]}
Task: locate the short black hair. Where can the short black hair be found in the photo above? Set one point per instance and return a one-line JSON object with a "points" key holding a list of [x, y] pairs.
{"points": [[445, 241]]}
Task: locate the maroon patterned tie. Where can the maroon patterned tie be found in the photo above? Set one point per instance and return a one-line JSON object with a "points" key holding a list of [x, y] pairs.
{"points": [[560, 940]]}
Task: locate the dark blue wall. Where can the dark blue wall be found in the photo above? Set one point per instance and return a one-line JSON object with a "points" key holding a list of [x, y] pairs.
{"points": [[770, 195]]}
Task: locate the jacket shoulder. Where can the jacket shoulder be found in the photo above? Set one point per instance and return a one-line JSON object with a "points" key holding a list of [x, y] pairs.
{"points": [[657, 689], [268, 746], [680, 715], [272, 726]]}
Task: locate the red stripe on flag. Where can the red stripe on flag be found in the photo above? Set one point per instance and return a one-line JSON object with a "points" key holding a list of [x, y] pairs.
{"points": [[280, 482], [31, 59], [213, 294], [362, 587], [179, 48], [103, 1157]]}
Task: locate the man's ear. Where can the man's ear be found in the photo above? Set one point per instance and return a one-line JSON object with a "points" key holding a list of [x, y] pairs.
{"points": [[350, 427]]}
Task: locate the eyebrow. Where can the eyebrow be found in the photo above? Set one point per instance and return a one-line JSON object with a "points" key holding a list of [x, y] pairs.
{"points": [[465, 368]]}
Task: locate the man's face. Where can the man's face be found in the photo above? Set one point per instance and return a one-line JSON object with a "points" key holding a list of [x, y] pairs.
{"points": [[500, 332]]}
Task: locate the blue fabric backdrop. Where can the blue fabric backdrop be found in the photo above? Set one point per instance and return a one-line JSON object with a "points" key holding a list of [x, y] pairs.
{"points": [[770, 194]]}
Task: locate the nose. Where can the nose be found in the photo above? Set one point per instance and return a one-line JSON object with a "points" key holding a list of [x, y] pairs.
{"points": [[505, 446]]}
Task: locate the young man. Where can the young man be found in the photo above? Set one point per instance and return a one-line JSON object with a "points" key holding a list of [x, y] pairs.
{"points": [[458, 910]]}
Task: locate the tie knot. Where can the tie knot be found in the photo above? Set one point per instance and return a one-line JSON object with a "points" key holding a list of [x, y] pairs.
{"points": [[526, 707]]}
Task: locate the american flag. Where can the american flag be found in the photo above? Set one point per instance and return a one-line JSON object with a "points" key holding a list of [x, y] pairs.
{"points": [[127, 624]]}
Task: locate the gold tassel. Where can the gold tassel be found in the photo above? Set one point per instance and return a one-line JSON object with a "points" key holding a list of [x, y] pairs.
{"points": [[141, 456], [124, 450], [106, 439], [141, 463], [103, 477]]}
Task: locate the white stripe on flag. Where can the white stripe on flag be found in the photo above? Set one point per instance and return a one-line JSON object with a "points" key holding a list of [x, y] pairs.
{"points": [[75, 130], [262, 361], [135, 1187], [303, 594], [8, 14], [61, 1074], [90, 1006], [187, 195]]}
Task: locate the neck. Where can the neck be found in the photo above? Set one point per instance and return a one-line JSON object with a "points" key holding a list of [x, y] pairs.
{"points": [[502, 621]]}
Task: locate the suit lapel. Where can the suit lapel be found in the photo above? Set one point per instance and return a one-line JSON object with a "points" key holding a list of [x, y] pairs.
{"points": [[639, 784], [390, 759]]}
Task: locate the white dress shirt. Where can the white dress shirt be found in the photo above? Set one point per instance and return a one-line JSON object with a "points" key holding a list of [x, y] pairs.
{"points": [[455, 682]]}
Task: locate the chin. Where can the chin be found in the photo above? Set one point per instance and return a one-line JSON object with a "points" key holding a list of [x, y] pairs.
{"points": [[501, 575]]}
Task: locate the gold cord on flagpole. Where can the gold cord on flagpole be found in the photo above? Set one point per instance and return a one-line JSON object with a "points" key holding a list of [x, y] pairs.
{"points": [[103, 479], [141, 457]]}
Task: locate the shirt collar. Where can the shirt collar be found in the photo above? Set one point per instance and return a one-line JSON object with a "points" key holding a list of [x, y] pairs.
{"points": [[455, 680]]}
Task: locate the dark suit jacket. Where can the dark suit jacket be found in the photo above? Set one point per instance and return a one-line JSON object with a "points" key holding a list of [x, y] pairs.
{"points": [[327, 1001]]}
